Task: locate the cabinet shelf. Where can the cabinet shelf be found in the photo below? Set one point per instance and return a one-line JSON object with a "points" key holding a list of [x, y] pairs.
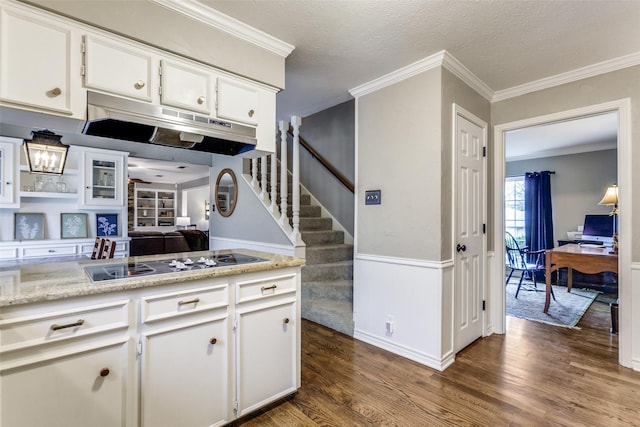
{"points": [[47, 195]]}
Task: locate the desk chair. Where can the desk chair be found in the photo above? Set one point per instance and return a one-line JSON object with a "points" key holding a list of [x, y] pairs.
{"points": [[516, 260]]}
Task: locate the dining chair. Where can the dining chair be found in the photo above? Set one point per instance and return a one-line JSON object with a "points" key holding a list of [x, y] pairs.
{"points": [[519, 259]]}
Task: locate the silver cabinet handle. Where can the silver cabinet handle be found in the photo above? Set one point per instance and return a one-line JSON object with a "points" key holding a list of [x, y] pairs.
{"points": [[139, 84], [201, 100], [191, 301], [268, 288]]}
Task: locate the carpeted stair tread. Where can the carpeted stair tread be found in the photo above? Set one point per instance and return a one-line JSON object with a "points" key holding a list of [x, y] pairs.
{"points": [[315, 223], [332, 314]]}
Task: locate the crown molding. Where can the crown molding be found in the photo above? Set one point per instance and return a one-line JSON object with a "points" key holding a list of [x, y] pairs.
{"points": [[442, 58], [229, 25], [569, 77], [399, 75]]}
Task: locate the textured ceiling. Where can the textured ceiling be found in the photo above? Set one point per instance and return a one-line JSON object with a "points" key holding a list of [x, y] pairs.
{"points": [[342, 44]]}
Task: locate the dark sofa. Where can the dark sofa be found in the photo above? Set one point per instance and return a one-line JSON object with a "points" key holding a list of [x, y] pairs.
{"points": [[159, 242]]}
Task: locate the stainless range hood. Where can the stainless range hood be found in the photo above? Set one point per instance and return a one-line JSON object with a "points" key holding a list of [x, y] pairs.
{"points": [[119, 118]]}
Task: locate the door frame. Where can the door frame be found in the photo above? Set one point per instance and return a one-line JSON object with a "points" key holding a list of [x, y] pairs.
{"points": [[458, 111], [496, 267]]}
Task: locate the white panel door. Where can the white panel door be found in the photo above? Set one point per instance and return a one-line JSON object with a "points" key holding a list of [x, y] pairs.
{"points": [[469, 235]]}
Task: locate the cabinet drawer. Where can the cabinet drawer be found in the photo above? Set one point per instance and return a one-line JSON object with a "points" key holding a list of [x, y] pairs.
{"points": [[265, 288], [50, 251], [8, 253], [175, 304], [28, 331]]}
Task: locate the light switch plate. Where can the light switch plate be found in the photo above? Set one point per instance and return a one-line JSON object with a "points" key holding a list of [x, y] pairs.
{"points": [[372, 197]]}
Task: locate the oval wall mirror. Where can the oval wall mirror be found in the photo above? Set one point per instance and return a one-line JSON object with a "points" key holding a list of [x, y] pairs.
{"points": [[226, 192]]}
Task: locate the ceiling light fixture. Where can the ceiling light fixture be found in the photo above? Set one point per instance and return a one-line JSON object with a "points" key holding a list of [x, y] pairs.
{"points": [[45, 152]]}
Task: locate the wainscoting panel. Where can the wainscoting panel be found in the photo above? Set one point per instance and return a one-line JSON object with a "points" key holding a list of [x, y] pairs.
{"points": [[406, 307]]}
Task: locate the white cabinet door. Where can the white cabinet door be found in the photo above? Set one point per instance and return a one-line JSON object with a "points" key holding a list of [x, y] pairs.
{"points": [[265, 355], [34, 62], [103, 179], [236, 102], [8, 166], [184, 86], [80, 389], [185, 376], [117, 68]]}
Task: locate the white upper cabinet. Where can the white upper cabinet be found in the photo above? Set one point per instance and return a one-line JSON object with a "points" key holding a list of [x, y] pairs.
{"points": [[103, 179], [236, 101], [118, 68], [185, 86], [35, 61]]}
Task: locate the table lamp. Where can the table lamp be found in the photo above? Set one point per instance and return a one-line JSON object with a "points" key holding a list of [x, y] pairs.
{"points": [[611, 199]]}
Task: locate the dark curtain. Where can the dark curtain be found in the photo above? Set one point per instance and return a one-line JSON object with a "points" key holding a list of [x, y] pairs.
{"points": [[538, 218]]}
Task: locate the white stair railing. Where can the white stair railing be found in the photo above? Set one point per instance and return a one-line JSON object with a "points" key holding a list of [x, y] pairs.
{"points": [[267, 189]]}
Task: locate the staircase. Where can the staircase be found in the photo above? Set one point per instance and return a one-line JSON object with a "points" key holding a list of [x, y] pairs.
{"points": [[327, 277]]}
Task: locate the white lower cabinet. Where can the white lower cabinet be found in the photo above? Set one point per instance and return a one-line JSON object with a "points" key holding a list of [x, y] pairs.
{"points": [[184, 375], [87, 388], [194, 353], [266, 355], [67, 364]]}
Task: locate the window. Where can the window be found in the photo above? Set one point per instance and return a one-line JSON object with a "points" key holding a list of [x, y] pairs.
{"points": [[514, 207]]}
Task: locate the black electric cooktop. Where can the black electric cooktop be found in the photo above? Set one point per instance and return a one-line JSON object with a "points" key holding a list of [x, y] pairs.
{"points": [[99, 273]]}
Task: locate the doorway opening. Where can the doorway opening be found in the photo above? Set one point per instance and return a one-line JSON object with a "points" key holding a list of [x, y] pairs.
{"points": [[623, 159]]}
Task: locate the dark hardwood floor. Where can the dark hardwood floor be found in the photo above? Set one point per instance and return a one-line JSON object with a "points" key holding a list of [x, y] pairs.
{"points": [[534, 375]]}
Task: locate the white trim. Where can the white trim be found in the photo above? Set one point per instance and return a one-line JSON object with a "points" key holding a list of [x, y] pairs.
{"points": [[458, 111], [229, 25], [404, 351], [435, 265], [442, 58], [575, 149], [220, 243], [570, 76], [623, 107]]}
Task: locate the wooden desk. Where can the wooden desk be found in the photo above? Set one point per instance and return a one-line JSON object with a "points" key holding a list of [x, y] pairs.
{"points": [[584, 259]]}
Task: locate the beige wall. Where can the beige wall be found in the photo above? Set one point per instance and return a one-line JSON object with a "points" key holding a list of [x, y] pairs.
{"points": [[398, 152], [158, 26], [595, 90]]}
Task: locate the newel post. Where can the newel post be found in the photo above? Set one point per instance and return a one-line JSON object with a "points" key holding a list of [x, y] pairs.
{"points": [[284, 128], [295, 182]]}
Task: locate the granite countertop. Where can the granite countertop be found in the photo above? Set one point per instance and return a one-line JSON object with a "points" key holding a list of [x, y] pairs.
{"points": [[30, 283]]}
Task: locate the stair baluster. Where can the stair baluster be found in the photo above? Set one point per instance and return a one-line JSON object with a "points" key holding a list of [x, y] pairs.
{"points": [[296, 121], [263, 179], [284, 127], [274, 186]]}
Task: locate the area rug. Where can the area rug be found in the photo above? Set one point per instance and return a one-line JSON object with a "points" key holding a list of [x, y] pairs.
{"points": [[566, 311]]}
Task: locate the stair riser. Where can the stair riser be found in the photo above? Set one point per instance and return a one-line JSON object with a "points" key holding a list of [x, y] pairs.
{"points": [[315, 224], [323, 272], [320, 255], [322, 238], [332, 291]]}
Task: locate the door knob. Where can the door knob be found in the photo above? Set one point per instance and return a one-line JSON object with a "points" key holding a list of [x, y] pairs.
{"points": [[461, 248]]}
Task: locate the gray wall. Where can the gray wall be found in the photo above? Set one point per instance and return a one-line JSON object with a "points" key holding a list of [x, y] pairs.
{"points": [[250, 220], [332, 134], [578, 185], [595, 90]]}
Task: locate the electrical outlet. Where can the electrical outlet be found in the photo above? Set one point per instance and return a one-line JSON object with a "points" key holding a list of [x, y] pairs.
{"points": [[372, 197], [389, 325]]}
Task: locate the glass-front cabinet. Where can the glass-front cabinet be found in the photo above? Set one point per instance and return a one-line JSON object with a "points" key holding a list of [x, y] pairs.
{"points": [[8, 149], [103, 177]]}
